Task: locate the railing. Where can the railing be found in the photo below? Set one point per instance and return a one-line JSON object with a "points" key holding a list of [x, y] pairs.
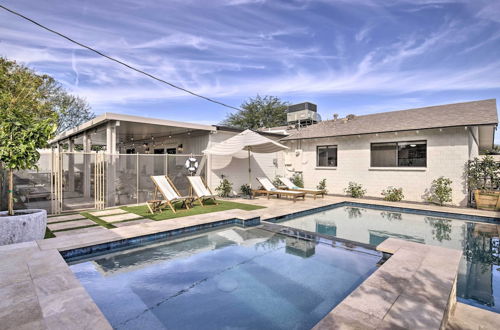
{"points": [[68, 181]]}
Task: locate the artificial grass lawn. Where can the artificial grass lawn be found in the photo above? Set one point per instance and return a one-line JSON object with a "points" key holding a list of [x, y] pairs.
{"points": [[97, 220], [196, 209]]}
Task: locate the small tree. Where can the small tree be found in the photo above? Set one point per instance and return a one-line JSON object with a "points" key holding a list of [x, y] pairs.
{"points": [[225, 187], [27, 120], [441, 191], [483, 174], [322, 185]]}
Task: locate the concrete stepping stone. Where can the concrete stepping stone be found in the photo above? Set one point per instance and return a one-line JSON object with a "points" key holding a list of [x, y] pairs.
{"points": [[131, 223], [121, 217], [71, 224], [65, 218], [108, 212], [97, 229]]}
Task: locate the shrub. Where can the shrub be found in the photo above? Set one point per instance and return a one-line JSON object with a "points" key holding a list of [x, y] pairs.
{"points": [[246, 190], [322, 185], [298, 180], [224, 189], [440, 191], [355, 190], [277, 182], [393, 194]]}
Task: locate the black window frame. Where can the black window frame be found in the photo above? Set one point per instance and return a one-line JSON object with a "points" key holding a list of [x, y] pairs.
{"points": [[397, 159], [336, 155]]}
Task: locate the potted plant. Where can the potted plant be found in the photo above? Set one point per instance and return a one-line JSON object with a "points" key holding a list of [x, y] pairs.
{"points": [[246, 190], [483, 179], [27, 121]]}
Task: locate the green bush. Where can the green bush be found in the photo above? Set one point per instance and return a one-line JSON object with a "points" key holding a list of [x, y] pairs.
{"points": [[224, 189], [298, 180], [440, 191], [322, 185], [246, 190], [393, 194], [355, 190], [277, 182]]}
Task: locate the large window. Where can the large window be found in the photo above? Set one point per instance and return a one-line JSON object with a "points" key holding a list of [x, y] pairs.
{"points": [[399, 154], [326, 156]]}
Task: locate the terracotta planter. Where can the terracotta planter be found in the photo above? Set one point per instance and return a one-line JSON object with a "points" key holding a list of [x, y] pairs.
{"points": [[487, 200]]}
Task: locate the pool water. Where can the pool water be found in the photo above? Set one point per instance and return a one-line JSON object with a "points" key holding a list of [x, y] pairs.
{"points": [[230, 278], [478, 281]]}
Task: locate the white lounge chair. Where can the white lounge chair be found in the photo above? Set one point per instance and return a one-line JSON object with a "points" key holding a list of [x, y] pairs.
{"points": [[289, 184], [201, 190], [270, 189], [170, 194]]}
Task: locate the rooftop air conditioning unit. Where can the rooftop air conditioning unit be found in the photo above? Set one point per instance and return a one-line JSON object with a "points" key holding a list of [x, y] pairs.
{"points": [[302, 114]]}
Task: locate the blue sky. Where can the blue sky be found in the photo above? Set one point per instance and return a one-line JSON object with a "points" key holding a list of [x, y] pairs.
{"points": [[347, 56]]}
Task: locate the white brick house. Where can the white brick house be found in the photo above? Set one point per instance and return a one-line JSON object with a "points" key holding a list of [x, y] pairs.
{"points": [[407, 149]]}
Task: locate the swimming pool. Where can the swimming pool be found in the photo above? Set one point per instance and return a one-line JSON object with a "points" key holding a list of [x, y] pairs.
{"points": [[225, 278], [478, 281]]}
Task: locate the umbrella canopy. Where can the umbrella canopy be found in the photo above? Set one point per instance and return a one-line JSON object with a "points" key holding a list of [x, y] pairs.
{"points": [[246, 140]]}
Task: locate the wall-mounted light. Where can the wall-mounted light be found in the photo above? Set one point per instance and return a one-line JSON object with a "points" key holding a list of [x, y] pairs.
{"points": [[180, 148]]}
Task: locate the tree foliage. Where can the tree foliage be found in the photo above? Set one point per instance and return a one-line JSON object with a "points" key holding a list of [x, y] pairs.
{"points": [[258, 112], [72, 111], [27, 118]]}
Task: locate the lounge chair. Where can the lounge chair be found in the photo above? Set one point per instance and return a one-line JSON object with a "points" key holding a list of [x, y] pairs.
{"points": [[170, 194], [289, 184], [201, 190], [270, 189]]}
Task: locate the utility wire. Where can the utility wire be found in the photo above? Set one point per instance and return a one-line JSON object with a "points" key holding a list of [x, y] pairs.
{"points": [[116, 60]]}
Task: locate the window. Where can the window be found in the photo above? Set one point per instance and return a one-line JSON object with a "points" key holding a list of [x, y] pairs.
{"points": [[326, 156], [399, 154]]}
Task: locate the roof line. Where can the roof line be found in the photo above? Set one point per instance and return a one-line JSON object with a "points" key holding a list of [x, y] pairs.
{"points": [[108, 116], [288, 138]]}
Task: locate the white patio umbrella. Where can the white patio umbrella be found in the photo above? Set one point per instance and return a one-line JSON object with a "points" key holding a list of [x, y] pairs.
{"points": [[247, 140]]}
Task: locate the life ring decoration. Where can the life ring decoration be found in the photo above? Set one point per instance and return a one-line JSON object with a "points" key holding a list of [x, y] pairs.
{"points": [[191, 164]]}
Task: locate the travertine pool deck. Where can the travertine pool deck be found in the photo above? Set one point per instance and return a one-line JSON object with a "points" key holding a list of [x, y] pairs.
{"points": [[413, 289]]}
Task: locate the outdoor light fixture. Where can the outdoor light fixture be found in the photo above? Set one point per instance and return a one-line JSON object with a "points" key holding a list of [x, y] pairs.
{"points": [[413, 145], [180, 148]]}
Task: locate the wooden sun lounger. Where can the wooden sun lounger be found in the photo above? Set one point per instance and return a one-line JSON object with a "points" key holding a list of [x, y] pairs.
{"points": [[169, 193], [289, 185], [270, 190]]}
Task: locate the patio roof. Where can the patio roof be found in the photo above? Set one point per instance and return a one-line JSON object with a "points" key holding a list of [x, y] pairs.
{"points": [[128, 126]]}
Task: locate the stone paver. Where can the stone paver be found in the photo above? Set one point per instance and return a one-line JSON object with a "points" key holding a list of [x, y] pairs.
{"points": [[414, 289], [121, 217], [467, 317], [65, 218], [92, 230], [132, 222], [45, 293], [71, 224], [108, 212]]}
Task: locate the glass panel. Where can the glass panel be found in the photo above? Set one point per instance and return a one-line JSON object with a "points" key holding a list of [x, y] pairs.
{"points": [[31, 187], [177, 172], [384, 154], [150, 165], [122, 171], [412, 154], [78, 180], [327, 156]]}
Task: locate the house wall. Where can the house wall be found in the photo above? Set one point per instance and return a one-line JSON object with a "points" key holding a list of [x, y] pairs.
{"points": [[235, 169], [447, 153]]}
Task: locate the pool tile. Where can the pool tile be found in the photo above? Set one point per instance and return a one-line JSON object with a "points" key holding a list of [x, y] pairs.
{"points": [[132, 222], [412, 312], [348, 318], [370, 300], [20, 314]]}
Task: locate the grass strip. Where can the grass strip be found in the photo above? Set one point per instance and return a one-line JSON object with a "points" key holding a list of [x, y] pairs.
{"points": [[210, 207], [48, 233], [97, 220]]}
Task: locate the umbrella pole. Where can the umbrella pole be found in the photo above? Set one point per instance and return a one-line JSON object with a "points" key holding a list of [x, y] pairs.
{"points": [[249, 170]]}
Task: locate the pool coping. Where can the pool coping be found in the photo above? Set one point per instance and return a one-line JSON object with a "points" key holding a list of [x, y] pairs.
{"points": [[36, 275]]}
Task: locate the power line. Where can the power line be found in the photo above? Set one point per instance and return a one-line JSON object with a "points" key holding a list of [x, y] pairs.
{"points": [[116, 60]]}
